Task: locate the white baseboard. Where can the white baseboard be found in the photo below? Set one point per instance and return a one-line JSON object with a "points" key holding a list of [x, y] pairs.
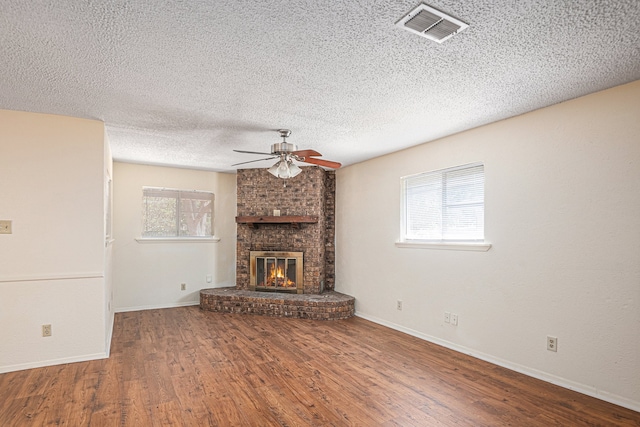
{"points": [[156, 306], [553, 379], [43, 363]]}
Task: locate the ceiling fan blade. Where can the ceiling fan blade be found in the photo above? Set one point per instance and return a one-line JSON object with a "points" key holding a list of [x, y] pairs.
{"points": [[251, 161], [252, 152], [307, 153], [321, 162]]}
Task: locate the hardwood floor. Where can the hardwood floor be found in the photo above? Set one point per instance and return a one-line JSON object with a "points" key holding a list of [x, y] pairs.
{"points": [[187, 367]]}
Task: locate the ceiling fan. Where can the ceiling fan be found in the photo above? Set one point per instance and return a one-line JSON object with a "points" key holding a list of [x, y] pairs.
{"points": [[287, 153]]}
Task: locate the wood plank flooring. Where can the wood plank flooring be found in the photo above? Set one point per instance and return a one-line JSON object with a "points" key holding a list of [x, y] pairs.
{"points": [[187, 367]]}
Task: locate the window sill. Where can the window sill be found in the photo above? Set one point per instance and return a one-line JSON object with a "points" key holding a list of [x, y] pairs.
{"points": [[448, 246], [177, 239]]}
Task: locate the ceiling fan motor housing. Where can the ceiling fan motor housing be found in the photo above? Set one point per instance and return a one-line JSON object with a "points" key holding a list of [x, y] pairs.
{"points": [[283, 147]]}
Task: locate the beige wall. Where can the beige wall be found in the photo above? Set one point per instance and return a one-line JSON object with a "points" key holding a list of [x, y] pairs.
{"points": [[52, 267], [148, 275], [562, 213]]}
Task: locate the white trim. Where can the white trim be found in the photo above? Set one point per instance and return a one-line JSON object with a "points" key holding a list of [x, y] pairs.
{"points": [[47, 277], [449, 246], [144, 187], [52, 362], [212, 239], [550, 378], [109, 242], [156, 306], [110, 334]]}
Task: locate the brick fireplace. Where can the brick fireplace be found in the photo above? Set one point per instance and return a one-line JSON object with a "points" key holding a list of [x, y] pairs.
{"points": [[307, 209], [287, 223]]}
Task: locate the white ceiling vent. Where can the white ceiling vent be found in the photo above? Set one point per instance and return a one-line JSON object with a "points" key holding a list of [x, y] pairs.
{"points": [[431, 23]]}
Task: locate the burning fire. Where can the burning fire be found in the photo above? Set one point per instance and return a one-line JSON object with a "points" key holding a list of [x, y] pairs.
{"points": [[277, 278]]}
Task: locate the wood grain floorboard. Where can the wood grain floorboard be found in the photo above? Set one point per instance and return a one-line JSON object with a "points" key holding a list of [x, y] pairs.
{"points": [[187, 367]]}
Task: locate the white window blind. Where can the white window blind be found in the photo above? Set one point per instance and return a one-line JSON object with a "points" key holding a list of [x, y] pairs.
{"points": [[176, 213], [445, 205]]}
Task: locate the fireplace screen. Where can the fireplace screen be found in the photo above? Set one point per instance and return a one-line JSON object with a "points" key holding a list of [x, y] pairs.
{"points": [[276, 271]]}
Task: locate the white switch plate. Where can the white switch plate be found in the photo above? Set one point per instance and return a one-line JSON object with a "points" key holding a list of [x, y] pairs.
{"points": [[276, 212], [454, 319], [5, 226], [447, 317]]}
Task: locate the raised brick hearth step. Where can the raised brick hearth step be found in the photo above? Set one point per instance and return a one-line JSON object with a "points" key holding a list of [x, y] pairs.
{"points": [[329, 305]]}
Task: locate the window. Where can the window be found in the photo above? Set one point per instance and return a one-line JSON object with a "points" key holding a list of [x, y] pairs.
{"points": [[444, 206], [176, 213]]}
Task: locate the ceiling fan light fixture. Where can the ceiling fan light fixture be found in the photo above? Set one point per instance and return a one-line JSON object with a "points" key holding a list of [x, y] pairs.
{"points": [[284, 168], [294, 170], [274, 170], [286, 153]]}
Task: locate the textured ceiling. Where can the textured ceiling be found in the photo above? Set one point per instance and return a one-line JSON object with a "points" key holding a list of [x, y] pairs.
{"points": [[185, 82]]}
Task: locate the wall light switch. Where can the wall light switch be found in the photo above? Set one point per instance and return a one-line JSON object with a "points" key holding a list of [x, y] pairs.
{"points": [[276, 212], [5, 226]]}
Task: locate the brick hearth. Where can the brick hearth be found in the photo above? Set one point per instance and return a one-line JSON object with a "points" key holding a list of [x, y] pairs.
{"points": [[330, 305]]}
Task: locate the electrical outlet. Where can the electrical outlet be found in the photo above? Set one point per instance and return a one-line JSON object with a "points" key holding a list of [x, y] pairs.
{"points": [[46, 330], [552, 343], [399, 305], [5, 226], [209, 278], [447, 317], [183, 286], [454, 319]]}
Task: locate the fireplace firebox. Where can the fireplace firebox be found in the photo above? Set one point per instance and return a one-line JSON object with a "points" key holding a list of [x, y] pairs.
{"points": [[272, 271]]}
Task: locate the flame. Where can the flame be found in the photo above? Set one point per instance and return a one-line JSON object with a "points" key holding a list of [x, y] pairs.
{"points": [[277, 278]]}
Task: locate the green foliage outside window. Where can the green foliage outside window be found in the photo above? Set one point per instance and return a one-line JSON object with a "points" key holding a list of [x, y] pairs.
{"points": [[176, 213]]}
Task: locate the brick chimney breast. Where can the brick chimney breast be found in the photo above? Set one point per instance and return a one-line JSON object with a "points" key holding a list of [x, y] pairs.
{"points": [[311, 193]]}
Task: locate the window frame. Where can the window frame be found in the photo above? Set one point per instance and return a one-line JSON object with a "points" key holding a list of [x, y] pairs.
{"points": [[447, 244], [180, 194]]}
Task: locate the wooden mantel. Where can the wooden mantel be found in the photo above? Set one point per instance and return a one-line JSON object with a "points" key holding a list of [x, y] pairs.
{"points": [[293, 220]]}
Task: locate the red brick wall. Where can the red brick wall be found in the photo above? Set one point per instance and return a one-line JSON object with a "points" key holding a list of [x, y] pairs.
{"points": [[312, 192]]}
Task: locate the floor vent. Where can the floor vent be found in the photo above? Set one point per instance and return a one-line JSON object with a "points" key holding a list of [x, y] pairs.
{"points": [[431, 23]]}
